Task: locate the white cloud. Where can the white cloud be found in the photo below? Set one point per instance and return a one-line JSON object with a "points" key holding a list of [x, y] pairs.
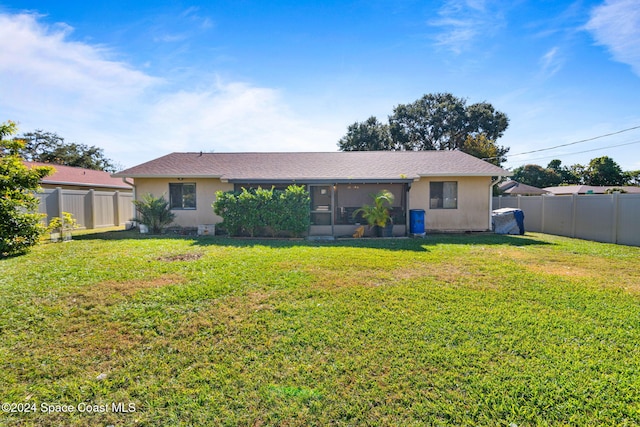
{"points": [[53, 83], [232, 117], [42, 57], [616, 25], [462, 22], [551, 62]]}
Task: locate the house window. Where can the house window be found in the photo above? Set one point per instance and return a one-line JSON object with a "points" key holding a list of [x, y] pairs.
{"points": [[443, 195], [182, 196]]}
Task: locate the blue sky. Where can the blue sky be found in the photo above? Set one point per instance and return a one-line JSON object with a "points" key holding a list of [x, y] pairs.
{"points": [[142, 79]]}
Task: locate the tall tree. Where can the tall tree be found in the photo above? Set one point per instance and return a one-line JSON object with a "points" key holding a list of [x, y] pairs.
{"points": [[632, 177], [442, 121], [370, 135], [482, 147], [567, 175], [437, 121], [49, 147], [20, 226], [604, 171], [536, 176]]}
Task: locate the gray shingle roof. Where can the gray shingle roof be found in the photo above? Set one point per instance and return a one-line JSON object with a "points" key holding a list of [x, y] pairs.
{"points": [[68, 175], [314, 166], [513, 187]]}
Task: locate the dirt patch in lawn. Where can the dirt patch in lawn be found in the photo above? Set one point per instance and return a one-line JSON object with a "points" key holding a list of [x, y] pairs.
{"points": [[225, 314], [190, 256], [111, 292]]}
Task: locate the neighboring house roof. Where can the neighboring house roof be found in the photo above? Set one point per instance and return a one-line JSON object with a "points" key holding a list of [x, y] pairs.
{"points": [[589, 189], [512, 187], [315, 166], [68, 175]]}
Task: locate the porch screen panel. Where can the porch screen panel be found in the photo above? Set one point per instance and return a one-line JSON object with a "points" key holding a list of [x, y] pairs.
{"points": [[351, 197], [320, 204]]}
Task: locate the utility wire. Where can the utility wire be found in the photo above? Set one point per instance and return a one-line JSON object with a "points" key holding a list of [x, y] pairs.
{"points": [[587, 151], [570, 143]]}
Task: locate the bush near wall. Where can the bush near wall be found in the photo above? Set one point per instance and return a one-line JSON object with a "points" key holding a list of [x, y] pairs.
{"points": [[264, 212]]}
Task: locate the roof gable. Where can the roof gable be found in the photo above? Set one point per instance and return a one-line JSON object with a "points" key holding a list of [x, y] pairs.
{"points": [[314, 166]]}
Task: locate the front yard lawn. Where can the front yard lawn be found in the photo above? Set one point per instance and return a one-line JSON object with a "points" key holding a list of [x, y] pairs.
{"points": [[126, 330]]}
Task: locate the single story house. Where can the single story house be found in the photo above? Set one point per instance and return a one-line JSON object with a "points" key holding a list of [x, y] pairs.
{"points": [[73, 178], [515, 188], [94, 198], [454, 188], [590, 189]]}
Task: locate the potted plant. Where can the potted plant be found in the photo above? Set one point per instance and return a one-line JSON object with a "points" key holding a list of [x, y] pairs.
{"points": [[377, 215]]}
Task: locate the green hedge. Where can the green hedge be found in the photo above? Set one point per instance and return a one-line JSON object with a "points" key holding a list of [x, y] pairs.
{"points": [[264, 212]]}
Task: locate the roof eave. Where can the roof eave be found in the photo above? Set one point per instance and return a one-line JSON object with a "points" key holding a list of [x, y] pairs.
{"points": [[469, 174], [84, 184], [320, 180], [165, 176]]}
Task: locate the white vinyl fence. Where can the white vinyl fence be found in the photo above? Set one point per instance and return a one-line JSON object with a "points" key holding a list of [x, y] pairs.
{"points": [[610, 218], [91, 208]]}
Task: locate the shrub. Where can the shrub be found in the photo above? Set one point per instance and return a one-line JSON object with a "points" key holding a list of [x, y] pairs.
{"points": [[20, 224], [62, 225], [154, 212], [264, 211]]}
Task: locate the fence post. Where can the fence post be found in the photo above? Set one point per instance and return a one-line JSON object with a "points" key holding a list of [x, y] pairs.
{"points": [[574, 209], [92, 209], [116, 208], [60, 202], [542, 213], [614, 231]]}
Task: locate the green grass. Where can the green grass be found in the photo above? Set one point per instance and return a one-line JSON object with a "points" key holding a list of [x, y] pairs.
{"points": [[449, 330]]}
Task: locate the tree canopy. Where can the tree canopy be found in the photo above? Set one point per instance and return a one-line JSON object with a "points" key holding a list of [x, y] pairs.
{"points": [[536, 176], [604, 171], [601, 171], [370, 135], [49, 147], [437, 121]]}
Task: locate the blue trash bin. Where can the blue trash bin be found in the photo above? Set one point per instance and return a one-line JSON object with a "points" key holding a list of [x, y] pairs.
{"points": [[416, 221]]}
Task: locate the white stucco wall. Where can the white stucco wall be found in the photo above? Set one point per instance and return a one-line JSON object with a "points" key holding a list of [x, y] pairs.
{"points": [[205, 196], [472, 213]]}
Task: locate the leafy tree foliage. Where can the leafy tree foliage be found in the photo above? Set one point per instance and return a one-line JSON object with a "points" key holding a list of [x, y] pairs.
{"points": [[568, 175], [437, 121], [632, 177], [482, 147], [601, 171], [370, 135], [604, 171], [20, 224], [442, 121], [536, 176], [48, 147]]}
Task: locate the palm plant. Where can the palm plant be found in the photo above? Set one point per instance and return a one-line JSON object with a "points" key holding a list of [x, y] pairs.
{"points": [[154, 212], [377, 214]]}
